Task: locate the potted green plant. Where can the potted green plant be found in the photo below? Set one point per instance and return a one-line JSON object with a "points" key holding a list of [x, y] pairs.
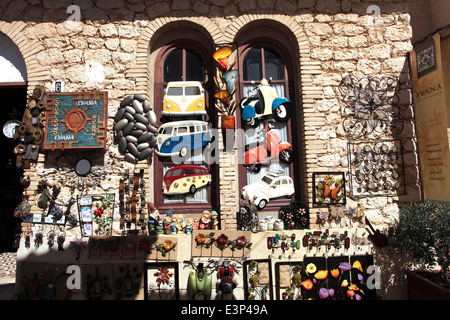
{"points": [[423, 230]]}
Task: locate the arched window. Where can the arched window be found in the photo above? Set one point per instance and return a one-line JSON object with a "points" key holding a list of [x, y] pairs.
{"points": [[183, 61], [264, 60], [183, 64]]}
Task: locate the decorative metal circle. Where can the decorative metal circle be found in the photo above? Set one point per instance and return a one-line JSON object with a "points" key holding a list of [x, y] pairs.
{"points": [[83, 167]]}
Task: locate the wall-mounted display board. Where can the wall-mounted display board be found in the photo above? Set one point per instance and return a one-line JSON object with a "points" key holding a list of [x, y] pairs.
{"points": [[96, 214], [76, 120], [431, 102]]}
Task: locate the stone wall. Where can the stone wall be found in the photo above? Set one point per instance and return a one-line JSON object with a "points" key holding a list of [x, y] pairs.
{"points": [[109, 50]]}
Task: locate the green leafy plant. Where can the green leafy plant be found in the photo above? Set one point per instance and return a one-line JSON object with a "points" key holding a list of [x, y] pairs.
{"points": [[423, 230]]}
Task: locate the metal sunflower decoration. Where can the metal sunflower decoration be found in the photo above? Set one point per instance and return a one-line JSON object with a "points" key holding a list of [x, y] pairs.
{"points": [[371, 106]]}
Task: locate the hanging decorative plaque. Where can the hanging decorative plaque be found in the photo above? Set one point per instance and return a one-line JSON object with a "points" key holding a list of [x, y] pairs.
{"points": [[376, 167], [76, 120]]}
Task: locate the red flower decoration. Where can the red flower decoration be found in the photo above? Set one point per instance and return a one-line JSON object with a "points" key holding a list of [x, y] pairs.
{"points": [[222, 240], [98, 212]]}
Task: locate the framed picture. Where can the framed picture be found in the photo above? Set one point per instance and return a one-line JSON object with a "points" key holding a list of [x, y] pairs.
{"points": [[329, 188], [161, 281], [288, 277], [258, 280]]}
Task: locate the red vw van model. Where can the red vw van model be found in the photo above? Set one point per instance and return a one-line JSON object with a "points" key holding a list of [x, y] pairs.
{"points": [[185, 179]]}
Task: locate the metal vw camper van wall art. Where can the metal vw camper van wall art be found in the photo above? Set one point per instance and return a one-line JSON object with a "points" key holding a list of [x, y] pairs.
{"points": [[135, 128], [76, 120], [185, 179], [184, 98], [178, 138]]}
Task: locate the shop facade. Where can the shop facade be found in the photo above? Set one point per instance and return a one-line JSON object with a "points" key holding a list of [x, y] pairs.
{"points": [[338, 145]]}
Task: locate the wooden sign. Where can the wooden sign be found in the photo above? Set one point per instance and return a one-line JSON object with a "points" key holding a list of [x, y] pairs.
{"points": [[76, 120]]}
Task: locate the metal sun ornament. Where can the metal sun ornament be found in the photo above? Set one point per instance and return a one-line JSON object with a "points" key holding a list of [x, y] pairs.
{"points": [[371, 106]]}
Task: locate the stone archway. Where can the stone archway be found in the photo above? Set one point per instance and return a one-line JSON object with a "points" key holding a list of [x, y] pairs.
{"points": [[141, 71], [36, 73]]}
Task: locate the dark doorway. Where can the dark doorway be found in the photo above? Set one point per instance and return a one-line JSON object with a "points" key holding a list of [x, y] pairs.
{"points": [[13, 104]]}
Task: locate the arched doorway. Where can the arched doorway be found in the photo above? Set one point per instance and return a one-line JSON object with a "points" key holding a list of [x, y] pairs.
{"points": [[13, 93]]}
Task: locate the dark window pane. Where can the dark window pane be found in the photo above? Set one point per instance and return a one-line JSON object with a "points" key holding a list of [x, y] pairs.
{"points": [[274, 65], [173, 66], [195, 70], [192, 91], [175, 91], [252, 66]]}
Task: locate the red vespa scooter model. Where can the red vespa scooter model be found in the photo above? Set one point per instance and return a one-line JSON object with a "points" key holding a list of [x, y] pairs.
{"points": [[269, 150], [226, 282]]}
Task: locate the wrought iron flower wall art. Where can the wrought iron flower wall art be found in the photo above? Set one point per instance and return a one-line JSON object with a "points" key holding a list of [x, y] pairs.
{"points": [[371, 106]]}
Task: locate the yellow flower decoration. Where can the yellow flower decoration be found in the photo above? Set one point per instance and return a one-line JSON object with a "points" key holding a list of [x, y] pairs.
{"points": [[321, 274], [311, 268], [167, 245], [344, 283], [357, 265], [353, 287], [200, 238]]}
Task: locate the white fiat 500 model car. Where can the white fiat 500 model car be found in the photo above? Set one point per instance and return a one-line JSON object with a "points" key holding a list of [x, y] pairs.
{"points": [[271, 185]]}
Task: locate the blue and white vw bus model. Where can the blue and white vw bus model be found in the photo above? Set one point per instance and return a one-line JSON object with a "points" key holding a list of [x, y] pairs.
{"points": [[180, 137]]}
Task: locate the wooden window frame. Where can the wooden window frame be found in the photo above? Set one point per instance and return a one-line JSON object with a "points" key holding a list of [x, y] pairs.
{"points": [[289, 83], [213, 194]]}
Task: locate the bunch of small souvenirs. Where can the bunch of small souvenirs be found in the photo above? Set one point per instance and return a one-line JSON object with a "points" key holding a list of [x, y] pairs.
{"points": [[176, 224]]}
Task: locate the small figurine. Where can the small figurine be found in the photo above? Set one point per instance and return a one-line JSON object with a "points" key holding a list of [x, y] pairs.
{"points": [[153, 218], [195, 224], [214, 224], [180, 224], [205, 220], [189, 225], [167, 222], [173, 224]]}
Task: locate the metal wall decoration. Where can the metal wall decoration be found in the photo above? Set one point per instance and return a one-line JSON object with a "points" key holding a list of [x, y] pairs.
{"points": [[376, 168], [426, 57], [135, 128], [28, 134], [226, 104], [76, 120], [329, 188], [258, 280], [295, 215], [247, 218], [371, 106], [132, 204], [288, 277], [96, 214], [161, 281]]}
